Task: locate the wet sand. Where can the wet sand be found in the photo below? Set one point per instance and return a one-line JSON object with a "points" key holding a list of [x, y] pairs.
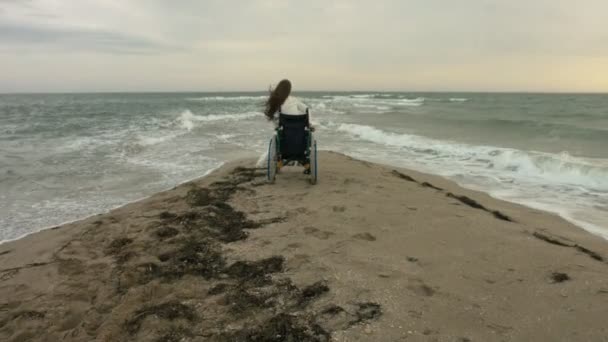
{"points": [[371, 253]]}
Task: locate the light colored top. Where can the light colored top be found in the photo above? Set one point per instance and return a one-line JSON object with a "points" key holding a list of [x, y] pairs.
{"points": [[293, 106]]}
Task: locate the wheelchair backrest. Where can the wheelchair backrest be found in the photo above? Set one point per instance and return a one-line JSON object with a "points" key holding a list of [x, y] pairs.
{"points": [[294, 121], [293, 136]]}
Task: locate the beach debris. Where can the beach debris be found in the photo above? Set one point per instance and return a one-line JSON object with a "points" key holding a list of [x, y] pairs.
{"points": [[559, 277], [404, 176], [226, 223], [256, 270], [199, 197], [365, 236], [202, 258], [463, 199], [281, 327], [172, 310], [335, 317], [29, 315], [590, 253], [560, 242], [176, 334], [429, 185], [165, 215], [166, 232], [177, 283], [218, 289], [474, 204], [117, 245], [313, 291], [367, 311]]}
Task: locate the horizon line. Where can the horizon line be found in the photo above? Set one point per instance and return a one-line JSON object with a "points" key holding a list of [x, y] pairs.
{"points": [[308, 91]]}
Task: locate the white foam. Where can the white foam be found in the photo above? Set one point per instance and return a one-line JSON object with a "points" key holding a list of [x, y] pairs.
{"points": [[230, 117], [187, 119], [555, 168], [9, 129], [364, 96], [372, 106], [185, 123], [323, 108], [416, 100], [226, 98], [372, 100], [94, 210], [225, 137], [458, 99], [80, 143], [573, 187], [262, 160], [154, 140]]}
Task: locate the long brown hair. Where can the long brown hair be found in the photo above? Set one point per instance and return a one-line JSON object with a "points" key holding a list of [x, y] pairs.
{"points": [[277, 97]]}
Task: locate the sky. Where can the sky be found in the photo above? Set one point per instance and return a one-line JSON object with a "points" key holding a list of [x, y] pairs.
{"points": [[247, 45]]}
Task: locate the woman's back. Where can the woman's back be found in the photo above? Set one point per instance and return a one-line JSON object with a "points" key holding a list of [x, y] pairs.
{"points": [[293, 106], [280, 101]]}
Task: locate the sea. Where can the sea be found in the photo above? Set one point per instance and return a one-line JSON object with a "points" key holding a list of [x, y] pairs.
{"points": [[68, 156]]}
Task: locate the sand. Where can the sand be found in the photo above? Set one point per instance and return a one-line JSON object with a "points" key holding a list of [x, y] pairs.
{"points": [[371, 253]]}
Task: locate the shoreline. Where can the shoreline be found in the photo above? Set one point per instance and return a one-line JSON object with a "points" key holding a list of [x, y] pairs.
{"points": [[590, 228], [109, 210], [371, 253]]}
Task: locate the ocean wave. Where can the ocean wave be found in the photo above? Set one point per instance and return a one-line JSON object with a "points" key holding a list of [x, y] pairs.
{"points": [[458, 99], [419, 101], [9, 129], [371, 106], [322, 107], [536, 127], [226, 98], [185, 123], [364, 96], [187, 119], [144, 140], [556, 168], [361, 100], [539, 167]]}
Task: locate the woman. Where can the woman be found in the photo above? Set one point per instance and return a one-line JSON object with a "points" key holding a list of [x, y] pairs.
{"points": [[281, 102]]}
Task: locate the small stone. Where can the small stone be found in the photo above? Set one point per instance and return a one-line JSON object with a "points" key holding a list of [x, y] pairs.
{"points": [[367, 330]]}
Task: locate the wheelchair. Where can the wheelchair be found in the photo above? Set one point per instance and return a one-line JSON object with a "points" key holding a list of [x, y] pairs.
{"points": [[292, 144]]}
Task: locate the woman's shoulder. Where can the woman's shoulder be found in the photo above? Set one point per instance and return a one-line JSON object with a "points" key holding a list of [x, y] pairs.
{"points": [[293, 99]]}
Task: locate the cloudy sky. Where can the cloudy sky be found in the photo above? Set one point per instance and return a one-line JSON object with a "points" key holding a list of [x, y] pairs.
{"points": [[222, 45]]}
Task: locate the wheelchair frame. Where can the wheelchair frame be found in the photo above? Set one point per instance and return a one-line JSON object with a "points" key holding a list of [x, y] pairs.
{"points": [[275, 161]]}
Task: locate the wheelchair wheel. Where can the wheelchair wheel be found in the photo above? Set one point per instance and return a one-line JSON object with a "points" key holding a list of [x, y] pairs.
{"points": [[313, 162], [271, 166]]}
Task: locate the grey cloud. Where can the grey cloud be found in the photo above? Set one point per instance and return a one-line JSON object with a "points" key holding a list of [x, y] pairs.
{"points": [[28, 6], [21, 36], [312, 38]]}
